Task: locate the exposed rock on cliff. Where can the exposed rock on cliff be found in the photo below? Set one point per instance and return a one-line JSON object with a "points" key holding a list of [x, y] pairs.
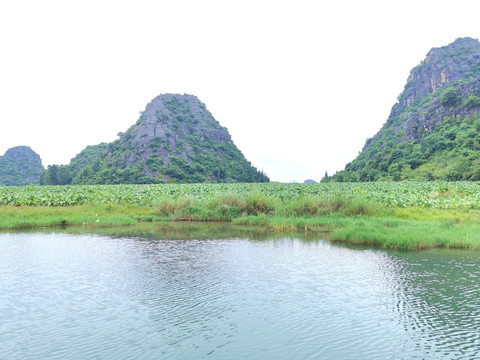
{"points": [[432, 131], [175, 139]]}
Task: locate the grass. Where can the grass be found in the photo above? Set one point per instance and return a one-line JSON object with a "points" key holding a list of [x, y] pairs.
{"points": [[350, 219], [26, 217], [378, 231], [407, 234]]}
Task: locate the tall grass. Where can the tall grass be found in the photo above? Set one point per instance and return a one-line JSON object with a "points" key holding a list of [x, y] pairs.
{"points": [[408, 234], [339, 218], [222, 207], [230, 206]]}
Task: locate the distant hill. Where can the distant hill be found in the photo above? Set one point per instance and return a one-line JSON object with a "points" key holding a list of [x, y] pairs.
{"points": [[20, 166], [176, 139], [309, 181], [433, 131]]}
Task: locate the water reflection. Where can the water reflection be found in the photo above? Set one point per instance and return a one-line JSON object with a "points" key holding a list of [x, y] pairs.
{"points": [[175, 293]]}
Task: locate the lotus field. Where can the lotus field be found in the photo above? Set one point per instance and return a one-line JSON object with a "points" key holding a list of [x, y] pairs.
{"points": [[441, 195]]}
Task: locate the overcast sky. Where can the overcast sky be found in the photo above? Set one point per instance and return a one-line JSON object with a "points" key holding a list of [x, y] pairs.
{"points": [[300, 85]]}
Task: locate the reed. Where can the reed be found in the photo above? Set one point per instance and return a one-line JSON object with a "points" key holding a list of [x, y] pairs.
{"points": [[355, 220]]}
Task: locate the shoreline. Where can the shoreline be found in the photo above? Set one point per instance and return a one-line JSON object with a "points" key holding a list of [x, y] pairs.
{"points": [[402, 229]]}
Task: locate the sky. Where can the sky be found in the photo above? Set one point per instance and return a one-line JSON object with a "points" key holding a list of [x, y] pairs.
{"points": [[300, 85]]}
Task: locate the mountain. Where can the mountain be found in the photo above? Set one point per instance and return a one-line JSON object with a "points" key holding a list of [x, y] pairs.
{"points": [[176, 139], [433, 131], [20, 166], [309, 181]]}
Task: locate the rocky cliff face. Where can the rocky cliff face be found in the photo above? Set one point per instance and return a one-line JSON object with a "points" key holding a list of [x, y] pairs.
{"points": [[457, 61], [422, 121], [175, 139], [20, 166], [418, 107], [171, 125], [444, 86]]}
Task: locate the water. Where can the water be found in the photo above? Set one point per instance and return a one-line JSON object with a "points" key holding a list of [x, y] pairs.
{"points": [[87, 296]]}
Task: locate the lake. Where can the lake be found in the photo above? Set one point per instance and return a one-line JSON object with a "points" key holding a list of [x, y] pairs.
{"points": [[194, 292]]}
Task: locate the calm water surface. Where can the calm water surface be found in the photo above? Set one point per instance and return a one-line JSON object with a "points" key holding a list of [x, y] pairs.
{"points": [[86, 296]]}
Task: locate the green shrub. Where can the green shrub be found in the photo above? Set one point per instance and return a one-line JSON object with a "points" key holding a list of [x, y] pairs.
{"points": [[472, 102], [450, 97]]}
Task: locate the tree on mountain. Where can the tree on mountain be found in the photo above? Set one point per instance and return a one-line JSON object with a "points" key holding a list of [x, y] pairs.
{"points": [[450, 97]]}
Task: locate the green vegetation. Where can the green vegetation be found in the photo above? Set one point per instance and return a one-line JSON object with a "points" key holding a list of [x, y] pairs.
{"points": [[465, 59], [177, 140], [432, 132], [451, 152], [434, 195], [450, 97], [472, 102], [20, 166], [404, 215], [25, 217]]}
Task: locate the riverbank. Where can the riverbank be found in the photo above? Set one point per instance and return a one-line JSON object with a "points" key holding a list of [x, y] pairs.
{"points": [[336, 218]]}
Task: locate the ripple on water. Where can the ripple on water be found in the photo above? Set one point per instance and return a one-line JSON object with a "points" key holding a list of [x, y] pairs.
{"points": [[80, 297]]}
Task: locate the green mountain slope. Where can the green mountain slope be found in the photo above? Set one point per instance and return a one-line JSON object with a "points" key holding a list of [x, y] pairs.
{"points": [[433, 130], [20, 166], [175, 139]]}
